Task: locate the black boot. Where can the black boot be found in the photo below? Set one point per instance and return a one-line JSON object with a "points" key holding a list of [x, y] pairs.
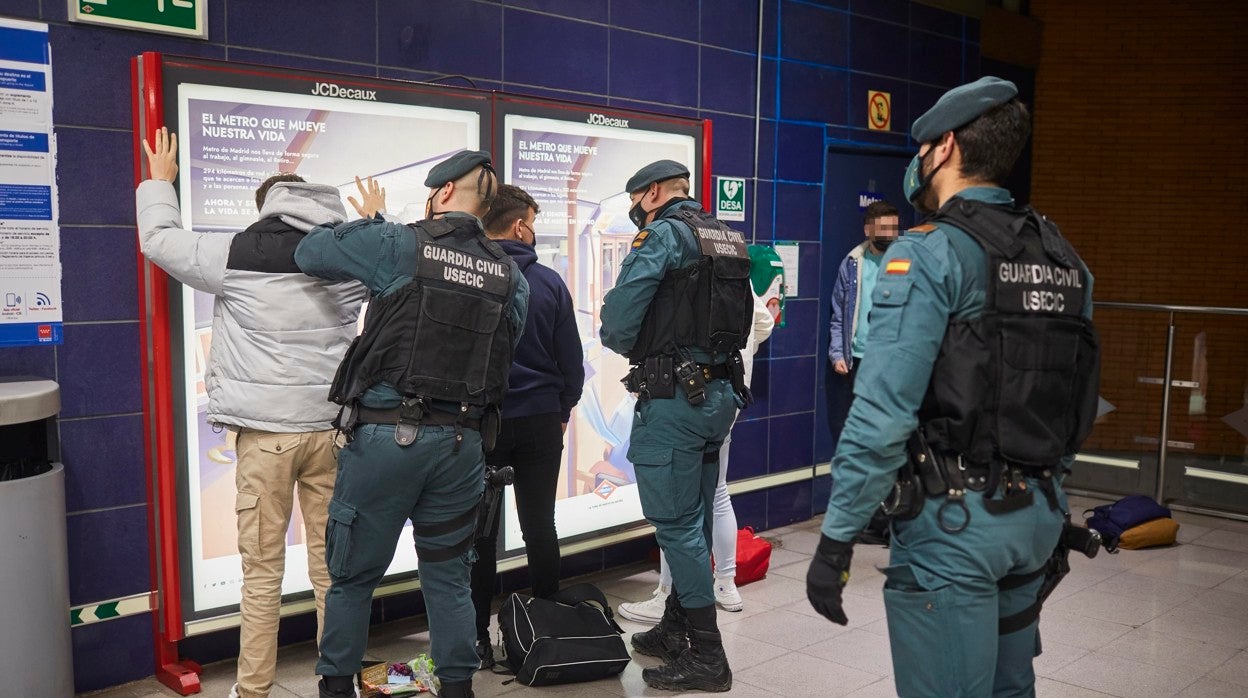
{"points": [[456, 689], [337, 687], [485, 652], [704, 667], [670, 637]]}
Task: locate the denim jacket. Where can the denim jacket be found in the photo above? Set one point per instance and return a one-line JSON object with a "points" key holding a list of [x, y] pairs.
{"points": [[845, 306]]}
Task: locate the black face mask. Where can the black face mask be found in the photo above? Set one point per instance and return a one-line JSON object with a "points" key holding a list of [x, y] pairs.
{"points": [[429, 212], [882, 244], [637, 215]]}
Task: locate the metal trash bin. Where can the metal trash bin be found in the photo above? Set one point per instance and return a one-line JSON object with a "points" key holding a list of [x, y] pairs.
{"points": [[36, 655]]}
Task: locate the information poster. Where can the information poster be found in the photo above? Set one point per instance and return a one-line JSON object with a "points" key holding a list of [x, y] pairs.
{"points": [[576, 171], [30, 246], [230, 140]]}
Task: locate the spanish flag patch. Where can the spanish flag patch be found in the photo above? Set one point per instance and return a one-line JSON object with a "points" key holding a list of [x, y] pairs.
{"points": [[641, 238], [897, 266]]}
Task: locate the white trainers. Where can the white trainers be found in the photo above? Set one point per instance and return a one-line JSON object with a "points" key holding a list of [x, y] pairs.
{"points": [[727, 596], [233, 691], [648, 611]]}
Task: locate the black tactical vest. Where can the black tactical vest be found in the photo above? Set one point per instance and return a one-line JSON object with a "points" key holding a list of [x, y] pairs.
{"points": [[1018, 384], [445, 335], [708, 304]]}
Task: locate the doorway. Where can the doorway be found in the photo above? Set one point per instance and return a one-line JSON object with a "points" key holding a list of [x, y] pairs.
{"points": [[852, 177]]}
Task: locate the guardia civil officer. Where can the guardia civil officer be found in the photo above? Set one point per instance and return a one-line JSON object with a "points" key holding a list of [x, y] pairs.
{"points": [[981, 362], [431, 365], [680, 311]]}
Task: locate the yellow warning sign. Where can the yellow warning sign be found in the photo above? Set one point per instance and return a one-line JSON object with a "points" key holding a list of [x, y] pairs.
{"points": [[879, 110]]}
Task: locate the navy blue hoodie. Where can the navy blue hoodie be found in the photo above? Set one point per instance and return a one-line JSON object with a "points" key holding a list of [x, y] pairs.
{"points": [[548, 372]]}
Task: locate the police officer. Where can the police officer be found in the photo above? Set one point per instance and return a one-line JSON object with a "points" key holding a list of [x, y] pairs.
{"points": [[416, 386], [680, 312], [982, 364]]}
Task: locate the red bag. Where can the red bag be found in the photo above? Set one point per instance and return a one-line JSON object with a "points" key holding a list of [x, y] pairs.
{"points": [[753, 556]]}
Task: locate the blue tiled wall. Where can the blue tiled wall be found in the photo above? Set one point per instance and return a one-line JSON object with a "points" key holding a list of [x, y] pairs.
{"points": [[689, 57]]}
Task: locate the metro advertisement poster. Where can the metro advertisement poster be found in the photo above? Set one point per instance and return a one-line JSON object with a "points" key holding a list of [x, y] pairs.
{"points": [[576, 171], [230, 140]]}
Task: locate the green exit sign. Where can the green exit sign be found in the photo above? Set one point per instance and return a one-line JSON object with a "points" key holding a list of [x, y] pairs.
{"points": [[181, 17]]}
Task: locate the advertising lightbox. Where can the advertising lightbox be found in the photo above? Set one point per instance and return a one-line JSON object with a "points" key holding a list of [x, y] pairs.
{"points": [[238, 125], [574, 160]]}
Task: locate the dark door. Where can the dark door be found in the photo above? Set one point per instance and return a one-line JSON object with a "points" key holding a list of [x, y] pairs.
{"points": [[849, 174]]}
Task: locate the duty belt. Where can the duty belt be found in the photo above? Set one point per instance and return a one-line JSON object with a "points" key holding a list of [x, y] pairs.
{"points": [[945, 475], [368, 415]]}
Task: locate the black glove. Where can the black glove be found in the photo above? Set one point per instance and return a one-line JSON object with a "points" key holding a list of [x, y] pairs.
{"points": [[826, 578]]}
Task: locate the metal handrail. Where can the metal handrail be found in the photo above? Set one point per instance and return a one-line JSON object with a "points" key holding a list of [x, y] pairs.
{"points": [[1209, 310]]}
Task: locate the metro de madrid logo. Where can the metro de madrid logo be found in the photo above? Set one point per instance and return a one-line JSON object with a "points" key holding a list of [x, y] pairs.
{"points": [[605, 489]]}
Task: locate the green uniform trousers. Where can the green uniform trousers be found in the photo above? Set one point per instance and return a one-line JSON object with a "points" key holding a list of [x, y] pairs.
{"points": [[380, 486], [943, 603], [675, 452]]}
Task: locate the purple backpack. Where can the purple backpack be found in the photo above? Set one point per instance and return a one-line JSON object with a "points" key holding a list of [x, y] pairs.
{"points": [[1110, 520]]}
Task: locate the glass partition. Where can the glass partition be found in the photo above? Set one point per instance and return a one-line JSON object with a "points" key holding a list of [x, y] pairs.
{"points": [[1174, 407]]}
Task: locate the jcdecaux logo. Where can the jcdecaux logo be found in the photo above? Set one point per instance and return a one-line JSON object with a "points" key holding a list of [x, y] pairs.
{"points": [[329, 89], [604, 120]]}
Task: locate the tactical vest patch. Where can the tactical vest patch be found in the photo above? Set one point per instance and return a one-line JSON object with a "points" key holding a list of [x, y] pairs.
{"points": [[438, 263], [721, 242], [1027, 287]]}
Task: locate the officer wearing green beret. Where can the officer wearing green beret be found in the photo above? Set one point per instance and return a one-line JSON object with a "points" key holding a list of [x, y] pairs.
{"points": [[419, 389], [979, 385], [680, 311]]}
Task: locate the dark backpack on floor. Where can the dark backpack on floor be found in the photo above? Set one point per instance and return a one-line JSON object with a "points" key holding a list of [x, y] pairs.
{"points": [[1110, 520], [569, 638]]}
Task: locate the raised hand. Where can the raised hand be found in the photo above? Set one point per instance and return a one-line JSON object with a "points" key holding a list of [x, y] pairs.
{"points": [[372, 198], [162, 163]]}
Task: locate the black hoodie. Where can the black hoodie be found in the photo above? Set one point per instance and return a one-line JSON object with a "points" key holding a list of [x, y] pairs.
{"points": [[548, 372]]}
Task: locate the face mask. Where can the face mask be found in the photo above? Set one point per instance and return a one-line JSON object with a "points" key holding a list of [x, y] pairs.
{"points": [[429, 213], [882, 244], [913, 183], [637, 215], [915, 186]]}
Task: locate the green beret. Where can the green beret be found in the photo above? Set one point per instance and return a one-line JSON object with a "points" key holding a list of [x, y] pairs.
{"points": [[962, 105], [457, 166], [655, 172]]}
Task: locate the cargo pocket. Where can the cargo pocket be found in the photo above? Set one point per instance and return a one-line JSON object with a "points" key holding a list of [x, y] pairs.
{"points": [[277, 444], [247, 509], [338, 538], [656, 483], [887, 308], [918, 620]]}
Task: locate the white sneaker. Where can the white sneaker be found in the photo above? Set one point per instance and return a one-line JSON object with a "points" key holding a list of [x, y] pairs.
{"points": [[233, 691], [648, 611], [727, 596]]}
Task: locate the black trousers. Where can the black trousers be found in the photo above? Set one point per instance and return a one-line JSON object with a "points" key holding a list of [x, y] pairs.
{"points": [[840, 395], [533, 446]]}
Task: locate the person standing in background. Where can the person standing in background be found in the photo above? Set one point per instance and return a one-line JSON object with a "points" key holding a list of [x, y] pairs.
{"points": [[851, 308], [546, 380]]}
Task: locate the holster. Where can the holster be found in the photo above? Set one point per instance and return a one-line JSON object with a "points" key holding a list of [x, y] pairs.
{"points": [[653, 379], [736, 373], [412, 412], [931, 473], [491, 422], [1053, 570]]}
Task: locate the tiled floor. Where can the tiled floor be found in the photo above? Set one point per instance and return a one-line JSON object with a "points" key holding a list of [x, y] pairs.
{"points": [[1167, 622]]}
